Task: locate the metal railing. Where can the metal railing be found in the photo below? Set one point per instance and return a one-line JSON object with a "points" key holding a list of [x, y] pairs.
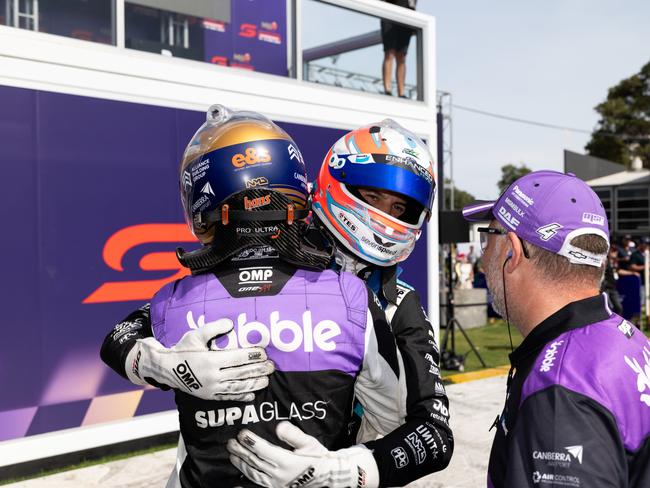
{"points": [[349, 79]]}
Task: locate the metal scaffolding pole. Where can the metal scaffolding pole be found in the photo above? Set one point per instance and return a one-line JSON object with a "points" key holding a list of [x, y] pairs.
{"points": [[445, 146]]}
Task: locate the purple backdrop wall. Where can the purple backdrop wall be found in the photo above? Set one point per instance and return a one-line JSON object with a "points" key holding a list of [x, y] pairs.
{"points": [[255, 38], [90, 202]]}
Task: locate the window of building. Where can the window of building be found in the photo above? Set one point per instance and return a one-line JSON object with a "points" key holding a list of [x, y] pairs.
{"points": [[90, 20], [353, 54], [605, 195], [175, 30], [163, 32], [22, 14], [632, 209], [249, 35]]}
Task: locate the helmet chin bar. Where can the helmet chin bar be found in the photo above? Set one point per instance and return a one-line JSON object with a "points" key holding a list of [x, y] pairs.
{"points": [[281, 227]]}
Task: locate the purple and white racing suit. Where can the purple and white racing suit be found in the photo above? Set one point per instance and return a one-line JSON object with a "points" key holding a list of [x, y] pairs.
{"points": [[330, 342]]}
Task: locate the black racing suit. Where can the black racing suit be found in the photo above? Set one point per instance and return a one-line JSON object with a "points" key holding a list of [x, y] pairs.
{"points": [[414, 415]]}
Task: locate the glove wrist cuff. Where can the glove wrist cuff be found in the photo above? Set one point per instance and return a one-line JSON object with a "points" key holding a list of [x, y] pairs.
{"points": [[132, 365], [365, 464]]}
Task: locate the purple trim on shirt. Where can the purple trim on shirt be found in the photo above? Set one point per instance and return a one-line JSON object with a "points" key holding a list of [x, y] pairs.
{"points": [[601, 362]]}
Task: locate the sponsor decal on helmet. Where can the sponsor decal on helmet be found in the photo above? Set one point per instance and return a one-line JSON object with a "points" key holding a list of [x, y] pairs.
{"points": [[250, 157], [187, 179], [383, 243], [348, 223], [361, 158], [336, 161], [201, 204], [251, 203], [378, 247], [257, 182], [409, 163], [207, 189], [294, 153], [301, 178], [199, 170], [411, 152]]}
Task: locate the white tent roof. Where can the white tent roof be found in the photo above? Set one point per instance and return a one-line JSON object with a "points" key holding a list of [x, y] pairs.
{"points": [[622, 178]]}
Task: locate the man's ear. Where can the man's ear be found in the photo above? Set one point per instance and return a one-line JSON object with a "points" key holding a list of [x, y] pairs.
{"points": [[515, 253]]}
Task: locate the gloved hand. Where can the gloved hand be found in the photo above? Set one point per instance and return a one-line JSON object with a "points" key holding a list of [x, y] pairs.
{"points": [[190, 366], [310, 464]]}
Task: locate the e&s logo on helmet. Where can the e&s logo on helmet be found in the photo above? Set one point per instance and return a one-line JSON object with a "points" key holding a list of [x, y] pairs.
{"points": [[250, 157]]}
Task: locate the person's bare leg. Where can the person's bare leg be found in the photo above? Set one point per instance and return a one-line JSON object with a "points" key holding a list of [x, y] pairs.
{"points": [[388, 70], [400, 72]]}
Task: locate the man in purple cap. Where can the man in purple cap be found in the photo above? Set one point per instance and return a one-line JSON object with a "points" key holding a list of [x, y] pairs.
{"points": [[577, 410]]}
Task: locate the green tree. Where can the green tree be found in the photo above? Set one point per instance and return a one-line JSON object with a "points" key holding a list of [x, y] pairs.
{"points": [[461, 197], [623, 131], [510, 173]]}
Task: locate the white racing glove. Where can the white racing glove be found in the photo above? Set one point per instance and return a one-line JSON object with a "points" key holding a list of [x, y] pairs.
{"points": [[190, 366], [310, 464]]}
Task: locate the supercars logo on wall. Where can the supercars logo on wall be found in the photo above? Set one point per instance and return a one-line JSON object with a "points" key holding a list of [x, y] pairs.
{"points": [[247, 30], [127, 239]]}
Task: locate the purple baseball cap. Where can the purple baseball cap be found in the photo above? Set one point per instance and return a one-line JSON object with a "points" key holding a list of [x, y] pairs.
{"points": [[548, 209]]}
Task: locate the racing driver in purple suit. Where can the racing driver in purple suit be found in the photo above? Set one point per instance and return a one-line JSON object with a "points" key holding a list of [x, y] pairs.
{"points": [[258, 288], [577, 410]]}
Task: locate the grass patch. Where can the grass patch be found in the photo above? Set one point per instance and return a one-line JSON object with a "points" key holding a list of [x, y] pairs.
{"points": [[491, 341], [91, 462]]}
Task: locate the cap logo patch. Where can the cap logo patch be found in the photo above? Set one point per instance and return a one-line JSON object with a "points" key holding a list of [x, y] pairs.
{"points": [[547, 231], [510, 219], [514, 207], [522, 197], [590, 218]]}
